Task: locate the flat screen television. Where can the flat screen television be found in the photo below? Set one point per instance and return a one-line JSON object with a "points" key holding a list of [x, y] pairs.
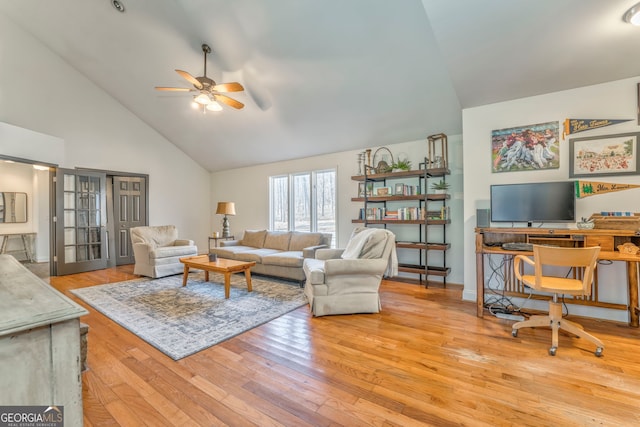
{"points": [[534, 202]]}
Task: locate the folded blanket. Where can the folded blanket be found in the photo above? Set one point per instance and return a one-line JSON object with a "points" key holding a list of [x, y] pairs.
{"points": [[357, 242]]}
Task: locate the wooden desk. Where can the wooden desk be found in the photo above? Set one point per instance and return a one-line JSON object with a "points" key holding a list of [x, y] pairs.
{"points": [[608, 240]]}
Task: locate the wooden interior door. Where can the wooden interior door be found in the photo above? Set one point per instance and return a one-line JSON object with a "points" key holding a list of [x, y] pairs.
{"points": [[130, 210], [80, 219]]}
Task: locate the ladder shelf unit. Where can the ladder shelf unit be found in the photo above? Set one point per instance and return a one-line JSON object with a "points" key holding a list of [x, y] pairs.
{"points": [[376, 211]]}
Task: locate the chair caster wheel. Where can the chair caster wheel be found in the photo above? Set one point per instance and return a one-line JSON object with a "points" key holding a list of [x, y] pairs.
{"points": [[552, 351], [598, 352], [514, 332]]}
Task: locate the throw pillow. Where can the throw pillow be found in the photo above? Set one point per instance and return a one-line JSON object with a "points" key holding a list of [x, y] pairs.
{"points": [[253, 238], [277, 240]]}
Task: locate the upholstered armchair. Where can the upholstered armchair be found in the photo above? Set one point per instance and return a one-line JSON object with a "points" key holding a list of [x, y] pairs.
{"points": [[344, 281], [157, 250]]}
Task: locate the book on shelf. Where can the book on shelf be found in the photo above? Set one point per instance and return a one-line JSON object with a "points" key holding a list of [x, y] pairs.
{"points": [[406, 190], [411, 213], [372, 214]]}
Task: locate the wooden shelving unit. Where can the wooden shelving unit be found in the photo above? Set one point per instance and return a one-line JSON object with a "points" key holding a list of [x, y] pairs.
{"points": [[422, 201]]}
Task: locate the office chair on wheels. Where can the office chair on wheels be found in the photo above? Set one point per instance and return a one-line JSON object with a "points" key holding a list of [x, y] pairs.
{"points": [[585, 259]]}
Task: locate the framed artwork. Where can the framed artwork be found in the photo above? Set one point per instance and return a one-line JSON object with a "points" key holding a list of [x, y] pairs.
{"points": [[399, 190], [638, 95], [523, 148], [606, 155]]}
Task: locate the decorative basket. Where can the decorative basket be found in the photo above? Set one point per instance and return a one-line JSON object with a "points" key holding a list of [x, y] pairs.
{"points": [[382, 166], [587, 225]]}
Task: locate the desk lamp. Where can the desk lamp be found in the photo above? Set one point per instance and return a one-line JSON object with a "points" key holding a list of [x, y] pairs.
{"points": [[226, 208]]}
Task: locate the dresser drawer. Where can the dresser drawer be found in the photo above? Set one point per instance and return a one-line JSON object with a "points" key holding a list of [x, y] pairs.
{"points": [[605, 242]]}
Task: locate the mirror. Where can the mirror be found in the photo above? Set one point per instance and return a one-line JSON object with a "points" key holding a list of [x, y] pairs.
{"points": [[13, 207]]}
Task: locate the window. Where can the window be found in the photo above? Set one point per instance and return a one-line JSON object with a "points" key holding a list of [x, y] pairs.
{"points": [[303, 201]]}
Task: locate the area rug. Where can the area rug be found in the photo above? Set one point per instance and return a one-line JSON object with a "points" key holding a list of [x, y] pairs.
{"points": [[180, 321]]}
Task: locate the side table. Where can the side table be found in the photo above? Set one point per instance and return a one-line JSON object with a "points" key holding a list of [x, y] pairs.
{"points": [[217, 239]]}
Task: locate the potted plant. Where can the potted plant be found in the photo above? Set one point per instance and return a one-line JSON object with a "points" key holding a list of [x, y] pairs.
{"points": [[440, 187], [401, 165]]}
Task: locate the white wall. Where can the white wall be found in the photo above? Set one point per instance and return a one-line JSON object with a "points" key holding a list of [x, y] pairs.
{"points": [[249, 189], [614, 100], [97, 131]]}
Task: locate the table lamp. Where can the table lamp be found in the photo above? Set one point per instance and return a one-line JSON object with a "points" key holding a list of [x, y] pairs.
{"points": [[226, 208]]}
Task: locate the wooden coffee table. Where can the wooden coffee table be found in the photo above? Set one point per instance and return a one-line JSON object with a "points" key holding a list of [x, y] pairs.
{"points": [[224, 266]]}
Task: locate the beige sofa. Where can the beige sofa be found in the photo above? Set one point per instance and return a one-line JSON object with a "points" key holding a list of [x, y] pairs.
{"points": [[279, 254], [157, 250]]}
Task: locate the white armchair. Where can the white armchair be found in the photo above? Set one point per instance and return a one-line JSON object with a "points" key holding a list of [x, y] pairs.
{"points": [[344, 281], [157, 250]]}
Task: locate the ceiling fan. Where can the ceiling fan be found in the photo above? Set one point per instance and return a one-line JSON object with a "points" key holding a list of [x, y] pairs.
{"points": [[208, 92]]}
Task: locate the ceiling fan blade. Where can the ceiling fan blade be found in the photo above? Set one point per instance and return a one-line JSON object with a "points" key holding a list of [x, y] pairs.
{"points": [[175, 89], [188, 77], [229, 101], [228, 87]]}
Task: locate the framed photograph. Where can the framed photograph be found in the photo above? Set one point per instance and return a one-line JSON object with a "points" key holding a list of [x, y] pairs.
{"points": [[606, 155], [362, 186], [525, 148], [398, 190], [383, 191]]}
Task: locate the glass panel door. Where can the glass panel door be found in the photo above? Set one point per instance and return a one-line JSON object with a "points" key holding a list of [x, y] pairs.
{"points": [[80, 221]]}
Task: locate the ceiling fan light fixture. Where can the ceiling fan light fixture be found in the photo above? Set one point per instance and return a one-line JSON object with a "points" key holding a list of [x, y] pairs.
{"points": [[214, 106], [202, 99], [633, 15]]}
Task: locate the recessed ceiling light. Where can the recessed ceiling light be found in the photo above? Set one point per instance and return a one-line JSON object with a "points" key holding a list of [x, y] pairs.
{"points": [[118, 5], [633, 15]]}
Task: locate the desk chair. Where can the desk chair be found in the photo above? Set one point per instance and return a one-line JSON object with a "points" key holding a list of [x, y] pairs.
{"points": [[585, 259]]}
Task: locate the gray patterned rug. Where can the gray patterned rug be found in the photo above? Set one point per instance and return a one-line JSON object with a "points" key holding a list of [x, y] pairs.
{"points": [[180, 321]]}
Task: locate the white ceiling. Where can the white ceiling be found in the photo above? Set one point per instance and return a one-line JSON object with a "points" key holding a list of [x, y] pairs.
{"points": [[325, 76]]}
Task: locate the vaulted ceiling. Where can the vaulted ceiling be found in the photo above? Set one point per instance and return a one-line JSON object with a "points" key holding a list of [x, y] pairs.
{"points": [[325, 76]]}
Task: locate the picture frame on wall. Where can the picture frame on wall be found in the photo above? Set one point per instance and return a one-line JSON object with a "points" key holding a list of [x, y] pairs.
{"points": [[525, 148], [638, 97], [605, 155]]}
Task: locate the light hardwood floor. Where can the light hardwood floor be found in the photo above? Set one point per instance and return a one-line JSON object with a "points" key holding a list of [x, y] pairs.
{"points": [[426, 359]]}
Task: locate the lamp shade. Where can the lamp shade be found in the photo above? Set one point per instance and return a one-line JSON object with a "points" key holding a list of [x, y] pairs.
{"points": [[226, 208]]}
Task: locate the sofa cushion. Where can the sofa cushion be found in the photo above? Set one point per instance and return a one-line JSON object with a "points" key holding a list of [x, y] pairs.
{"points": [[256, 255], [254, 238], [171, 251], [277, 240], [300, 240], [285, 259], [230, 252]]}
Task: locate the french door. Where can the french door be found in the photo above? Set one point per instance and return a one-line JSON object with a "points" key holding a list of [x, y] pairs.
{"points": [[80, 221]]}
